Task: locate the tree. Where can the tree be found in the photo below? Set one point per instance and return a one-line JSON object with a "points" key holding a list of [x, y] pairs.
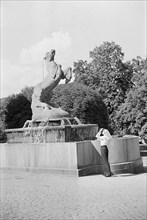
{"points": [[4, 102], [17, 111], [84, 74], [132, 114], [108, 75], [27, 92], [2, 121], [139, 67], [82, 102]]}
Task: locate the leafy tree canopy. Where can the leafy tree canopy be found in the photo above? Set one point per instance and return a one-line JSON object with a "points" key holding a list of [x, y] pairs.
{"points": [[27, 92], [107, 74], [82, 102], [132, 114], [17, 111]]}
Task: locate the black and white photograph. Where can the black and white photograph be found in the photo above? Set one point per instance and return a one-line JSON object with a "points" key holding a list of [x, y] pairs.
{"points": [[73, 110]]}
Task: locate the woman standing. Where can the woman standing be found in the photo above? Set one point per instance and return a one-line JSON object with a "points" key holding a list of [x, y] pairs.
{"points": [[104, 136]]}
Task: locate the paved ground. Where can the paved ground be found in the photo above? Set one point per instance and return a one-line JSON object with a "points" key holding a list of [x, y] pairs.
{"points": [[34, 196]]}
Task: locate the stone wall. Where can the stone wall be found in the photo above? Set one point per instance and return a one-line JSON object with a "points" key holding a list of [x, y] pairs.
{"points": [[75, 158]]}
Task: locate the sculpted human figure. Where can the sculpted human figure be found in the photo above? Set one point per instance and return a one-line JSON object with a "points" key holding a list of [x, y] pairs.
{"points": [[42, 110]]}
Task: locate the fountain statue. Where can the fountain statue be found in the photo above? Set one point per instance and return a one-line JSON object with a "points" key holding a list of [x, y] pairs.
{"points": [[50, 123], [44, 112], [41, 110]]}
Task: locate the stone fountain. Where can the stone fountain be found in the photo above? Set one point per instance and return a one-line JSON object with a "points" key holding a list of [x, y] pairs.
{"points": [[51, 124], [55, 142]]}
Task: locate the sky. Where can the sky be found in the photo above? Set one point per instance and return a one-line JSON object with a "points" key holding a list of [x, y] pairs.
{"points": [[73, 28]]}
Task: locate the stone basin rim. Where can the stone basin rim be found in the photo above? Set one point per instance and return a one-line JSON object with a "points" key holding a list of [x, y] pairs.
{"points": [[50, 127]]}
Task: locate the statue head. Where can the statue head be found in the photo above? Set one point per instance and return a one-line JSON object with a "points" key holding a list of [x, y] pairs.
{"points": [[50, 55]]}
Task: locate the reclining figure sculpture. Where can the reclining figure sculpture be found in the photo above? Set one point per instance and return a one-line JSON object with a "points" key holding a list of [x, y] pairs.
{"points": [[42, 111]]}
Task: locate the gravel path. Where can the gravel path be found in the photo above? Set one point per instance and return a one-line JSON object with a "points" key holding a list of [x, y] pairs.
{"points": [[34, 196]]}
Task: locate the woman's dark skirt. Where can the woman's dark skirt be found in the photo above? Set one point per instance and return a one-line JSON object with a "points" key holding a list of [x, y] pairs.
{"points": [[104, 154]]}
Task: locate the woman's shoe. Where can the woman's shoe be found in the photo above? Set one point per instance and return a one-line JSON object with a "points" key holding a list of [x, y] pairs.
{"points": [[108, 175]]}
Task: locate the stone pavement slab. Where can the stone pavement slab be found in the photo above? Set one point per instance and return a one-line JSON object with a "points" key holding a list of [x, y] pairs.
{"points": [[38, 196]]}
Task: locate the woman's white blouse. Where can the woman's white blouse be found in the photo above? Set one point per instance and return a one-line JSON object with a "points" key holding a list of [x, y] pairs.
{"points": [[104, 140]]}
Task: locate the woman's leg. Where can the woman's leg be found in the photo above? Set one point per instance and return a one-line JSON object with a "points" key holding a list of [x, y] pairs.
{"points": [[104, 154]]}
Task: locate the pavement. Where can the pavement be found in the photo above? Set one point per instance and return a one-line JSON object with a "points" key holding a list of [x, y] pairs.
{"points": [[40, 196]]}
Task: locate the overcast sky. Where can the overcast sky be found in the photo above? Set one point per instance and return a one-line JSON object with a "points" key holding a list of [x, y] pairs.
{"points": [[72, 28]]}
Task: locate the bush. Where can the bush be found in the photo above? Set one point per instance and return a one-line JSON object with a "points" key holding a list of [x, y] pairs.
{"points": [[81, 102], [17, 111]]}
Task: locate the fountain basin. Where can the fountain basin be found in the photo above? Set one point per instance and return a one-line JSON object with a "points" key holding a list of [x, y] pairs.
{"points": [[52, 134]]}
